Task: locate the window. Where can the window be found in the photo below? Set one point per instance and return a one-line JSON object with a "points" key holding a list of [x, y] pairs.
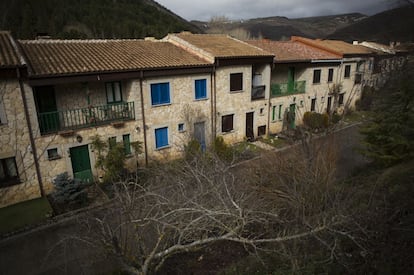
{"points": [[181, 127], [347, 71], [236, 82], [161, 137], [316, 76], [8, 172], [227, 123], [2, 113], [330, 75], [313, 104], [127, 144], [341, 99], [200, 88], [113, 92], [112, 142], [53, 154], [160, 93], [261, 130]]}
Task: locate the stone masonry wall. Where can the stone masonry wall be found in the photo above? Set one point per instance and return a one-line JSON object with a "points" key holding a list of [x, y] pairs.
{"points": [[239, 103], [183, 109], [15, 142]]}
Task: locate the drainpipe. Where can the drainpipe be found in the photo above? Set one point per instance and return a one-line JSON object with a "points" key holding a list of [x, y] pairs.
{"points": [[269, 108], [143, 118], [213, 103], [29, 126]]}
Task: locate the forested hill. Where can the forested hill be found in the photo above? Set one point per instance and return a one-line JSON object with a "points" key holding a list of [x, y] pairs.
{"points": [[89, 19]]}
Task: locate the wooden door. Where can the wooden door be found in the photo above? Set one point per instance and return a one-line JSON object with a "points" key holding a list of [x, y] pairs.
{"points": [[249, 126], [81, 164]]}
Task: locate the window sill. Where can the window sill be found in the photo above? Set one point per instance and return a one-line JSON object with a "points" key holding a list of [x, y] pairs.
{"points": [[54, 158], [163, 148], [201, 99], [10, 183], [160, 105], [237, 92], [276, 121], [316, 83]]}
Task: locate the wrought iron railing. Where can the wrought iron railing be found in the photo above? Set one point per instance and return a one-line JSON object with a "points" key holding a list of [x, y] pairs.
{"points": [[91, 116], [284, 89]]}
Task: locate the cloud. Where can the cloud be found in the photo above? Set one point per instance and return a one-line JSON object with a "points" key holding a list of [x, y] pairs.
{"points": [[245, 9]]}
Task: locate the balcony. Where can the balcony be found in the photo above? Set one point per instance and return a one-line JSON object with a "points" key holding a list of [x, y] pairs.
{"points": [[285, 89], [258, 92], [91, 116]]}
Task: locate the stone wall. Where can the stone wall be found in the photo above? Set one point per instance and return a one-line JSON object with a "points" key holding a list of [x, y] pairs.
{"points": [[15, 142], [182, 109], [72, 96], [240, 103]]}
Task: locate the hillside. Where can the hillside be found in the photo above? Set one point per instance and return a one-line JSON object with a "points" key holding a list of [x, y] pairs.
{"points": [[277, 27], [89, 18], [391, 25]]}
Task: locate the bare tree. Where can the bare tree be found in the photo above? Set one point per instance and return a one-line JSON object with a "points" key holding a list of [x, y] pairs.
{"points": [[271, 204]]}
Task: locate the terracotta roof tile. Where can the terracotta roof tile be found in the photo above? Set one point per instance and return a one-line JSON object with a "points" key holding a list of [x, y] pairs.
{"points": [[292, 51], [334, 46], [222, 46], [63, 57], [8, 53]]}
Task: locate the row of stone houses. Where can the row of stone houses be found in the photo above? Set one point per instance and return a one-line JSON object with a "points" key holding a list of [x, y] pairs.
{"points": [[56, 95]]}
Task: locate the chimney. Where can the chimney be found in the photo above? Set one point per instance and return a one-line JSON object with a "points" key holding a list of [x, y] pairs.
{"points": [[150, 38], [355, 42]]}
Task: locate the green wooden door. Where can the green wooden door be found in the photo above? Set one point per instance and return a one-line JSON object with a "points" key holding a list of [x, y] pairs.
{"points": [[81, 164], [292, 116], [47, 109], [291, 80]]}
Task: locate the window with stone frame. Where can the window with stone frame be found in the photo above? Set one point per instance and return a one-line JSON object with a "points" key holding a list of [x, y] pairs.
{"points": [[113, 92], [236, 82], [9, 174], [316, 76], [227, 124]]}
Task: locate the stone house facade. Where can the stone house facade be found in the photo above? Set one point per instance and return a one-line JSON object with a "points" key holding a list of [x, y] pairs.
{"points": [[60, 94], [240, 83], [18, 175]]}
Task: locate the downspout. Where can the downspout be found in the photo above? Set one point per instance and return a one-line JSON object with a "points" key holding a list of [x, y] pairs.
{"points": [[213, 103], [143, 118], [269, 107], [29, 127]]}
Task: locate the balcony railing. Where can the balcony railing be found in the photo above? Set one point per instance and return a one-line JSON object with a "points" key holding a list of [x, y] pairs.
{"points": [[258, 92], [285, 89], [91, 116]]}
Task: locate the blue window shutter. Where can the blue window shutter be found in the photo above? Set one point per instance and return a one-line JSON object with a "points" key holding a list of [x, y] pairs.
{"points": [[165, 93], [200, 88], [161, 137], [160, 93], [155, 94]]}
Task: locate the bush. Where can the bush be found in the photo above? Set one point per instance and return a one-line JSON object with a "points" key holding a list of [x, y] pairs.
{"points": [[192, 149], [316, 121], [69, 191], [222, 150]]}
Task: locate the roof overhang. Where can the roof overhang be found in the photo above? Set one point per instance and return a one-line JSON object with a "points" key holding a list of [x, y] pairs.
{"points": [[112, 76]]}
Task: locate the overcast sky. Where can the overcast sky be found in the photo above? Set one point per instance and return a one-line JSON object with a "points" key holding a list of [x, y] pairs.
{"points": [[245, 9]]}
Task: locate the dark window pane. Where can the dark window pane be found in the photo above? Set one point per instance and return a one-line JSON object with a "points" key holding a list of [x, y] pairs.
{"points": [[236, 82], [227, 123]]}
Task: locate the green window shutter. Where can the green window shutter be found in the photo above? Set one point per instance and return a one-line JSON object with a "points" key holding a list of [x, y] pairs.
{"points": [[127, 144]]}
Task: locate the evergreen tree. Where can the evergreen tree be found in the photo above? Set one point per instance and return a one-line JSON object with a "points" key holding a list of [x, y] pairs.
{"points": [[389, 137]]}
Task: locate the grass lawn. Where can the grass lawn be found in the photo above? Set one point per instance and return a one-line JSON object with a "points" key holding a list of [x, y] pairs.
{"points": [[275, 142], [24, 214]]}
